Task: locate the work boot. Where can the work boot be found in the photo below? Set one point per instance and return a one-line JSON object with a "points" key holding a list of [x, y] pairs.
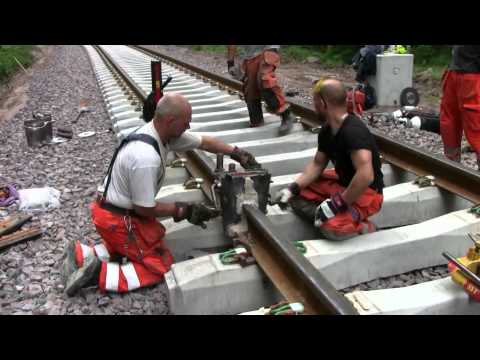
{"points": [[84, 275], [255, 113], [453, 153], [69, 265], [287, 123]]}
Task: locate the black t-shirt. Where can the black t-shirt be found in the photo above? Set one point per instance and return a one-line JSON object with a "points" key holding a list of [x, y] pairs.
{"points": [[466, 58], [353, 135]]}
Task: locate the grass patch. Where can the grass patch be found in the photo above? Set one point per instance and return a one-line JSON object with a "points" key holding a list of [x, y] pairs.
{"points": [[328, 55], [434, 72], [433, 59], [8, 53], [209, 48]]}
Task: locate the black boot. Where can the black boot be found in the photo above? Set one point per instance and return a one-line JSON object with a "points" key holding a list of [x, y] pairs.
{"points": [[83, 276], [255, 112], [69, 263], [287, 123]]}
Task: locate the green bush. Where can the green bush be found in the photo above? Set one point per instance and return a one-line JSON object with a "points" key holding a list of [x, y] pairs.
{"points": [[432, 55], [8, 53], [210, 48]]}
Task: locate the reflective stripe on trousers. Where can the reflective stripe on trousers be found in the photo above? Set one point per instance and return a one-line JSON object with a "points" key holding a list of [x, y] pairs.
{"points": [[82, 252], [119, 278]]}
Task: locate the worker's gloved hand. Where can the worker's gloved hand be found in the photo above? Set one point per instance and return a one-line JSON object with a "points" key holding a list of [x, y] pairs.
{"points": [[329, 209], [245, 159], [231, 67], [282, 197], [195, 213]]}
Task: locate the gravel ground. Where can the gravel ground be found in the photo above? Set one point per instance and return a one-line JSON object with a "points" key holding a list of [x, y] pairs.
{"points": [[30, 280], [407, 279]]}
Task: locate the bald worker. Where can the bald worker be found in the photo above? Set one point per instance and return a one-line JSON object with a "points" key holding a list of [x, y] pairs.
{"points": [[338, 201], [125, 211]]}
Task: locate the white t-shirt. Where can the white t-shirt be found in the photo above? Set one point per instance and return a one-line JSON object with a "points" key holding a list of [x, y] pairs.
{"points": [[138, 171]]}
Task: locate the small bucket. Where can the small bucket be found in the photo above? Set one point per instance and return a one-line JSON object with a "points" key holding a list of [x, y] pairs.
{"points": [[35, 132], [47, 130]]}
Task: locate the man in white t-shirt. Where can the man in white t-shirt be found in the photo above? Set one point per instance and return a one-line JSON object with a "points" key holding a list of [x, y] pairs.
{"points": [[125, 213]]}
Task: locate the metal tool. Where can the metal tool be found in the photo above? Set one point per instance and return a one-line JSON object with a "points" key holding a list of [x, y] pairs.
{"points": [[235, 188], [81, 110], [463, 269]]}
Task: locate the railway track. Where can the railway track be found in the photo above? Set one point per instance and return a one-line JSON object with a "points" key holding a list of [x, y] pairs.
{"points": [[415, 225]]}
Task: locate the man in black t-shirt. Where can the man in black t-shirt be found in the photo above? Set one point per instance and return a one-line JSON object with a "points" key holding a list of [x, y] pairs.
{"points": [[338, 201], [460, 107]]}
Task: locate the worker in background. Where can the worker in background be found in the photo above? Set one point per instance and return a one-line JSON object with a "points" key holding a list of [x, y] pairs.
{"points": [[460, 106], [365, 62], [260, 82], [338, 201], [125, 211]]}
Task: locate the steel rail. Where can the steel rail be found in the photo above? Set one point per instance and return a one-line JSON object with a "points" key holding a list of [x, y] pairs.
{"points": [[448, 175], [293, 275]]}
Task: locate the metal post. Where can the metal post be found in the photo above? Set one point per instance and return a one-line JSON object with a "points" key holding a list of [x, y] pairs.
{"points": [[219, 167]]}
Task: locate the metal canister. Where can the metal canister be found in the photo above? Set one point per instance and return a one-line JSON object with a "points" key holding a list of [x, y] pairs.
{"points": [[47, 129], [34, 132]]}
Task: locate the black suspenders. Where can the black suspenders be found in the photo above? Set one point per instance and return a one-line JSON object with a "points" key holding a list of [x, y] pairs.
{"points": [[132, 137]]}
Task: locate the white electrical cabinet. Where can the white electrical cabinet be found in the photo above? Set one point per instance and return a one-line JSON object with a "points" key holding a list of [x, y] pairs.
{"points": [[394, 73]]}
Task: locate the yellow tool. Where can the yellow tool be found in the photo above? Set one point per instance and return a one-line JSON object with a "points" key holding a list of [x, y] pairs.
{"points": [[472, 264]]}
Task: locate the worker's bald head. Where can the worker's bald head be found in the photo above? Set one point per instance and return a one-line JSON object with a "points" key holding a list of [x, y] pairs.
{"points": [[174, 114], [332, 91], [173, 104]]}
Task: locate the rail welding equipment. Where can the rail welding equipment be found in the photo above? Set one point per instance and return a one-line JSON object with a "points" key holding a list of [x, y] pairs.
{"points": [[235, 188]]}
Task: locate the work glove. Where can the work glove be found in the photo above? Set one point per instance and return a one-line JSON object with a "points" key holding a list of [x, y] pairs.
{"points": [[282, 197], [245, 159], [329, 209], [195, 213]]}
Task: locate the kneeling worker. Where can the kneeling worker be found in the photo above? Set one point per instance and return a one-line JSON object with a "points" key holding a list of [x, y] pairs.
{"points": [[125, 215], [338, 201]]}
